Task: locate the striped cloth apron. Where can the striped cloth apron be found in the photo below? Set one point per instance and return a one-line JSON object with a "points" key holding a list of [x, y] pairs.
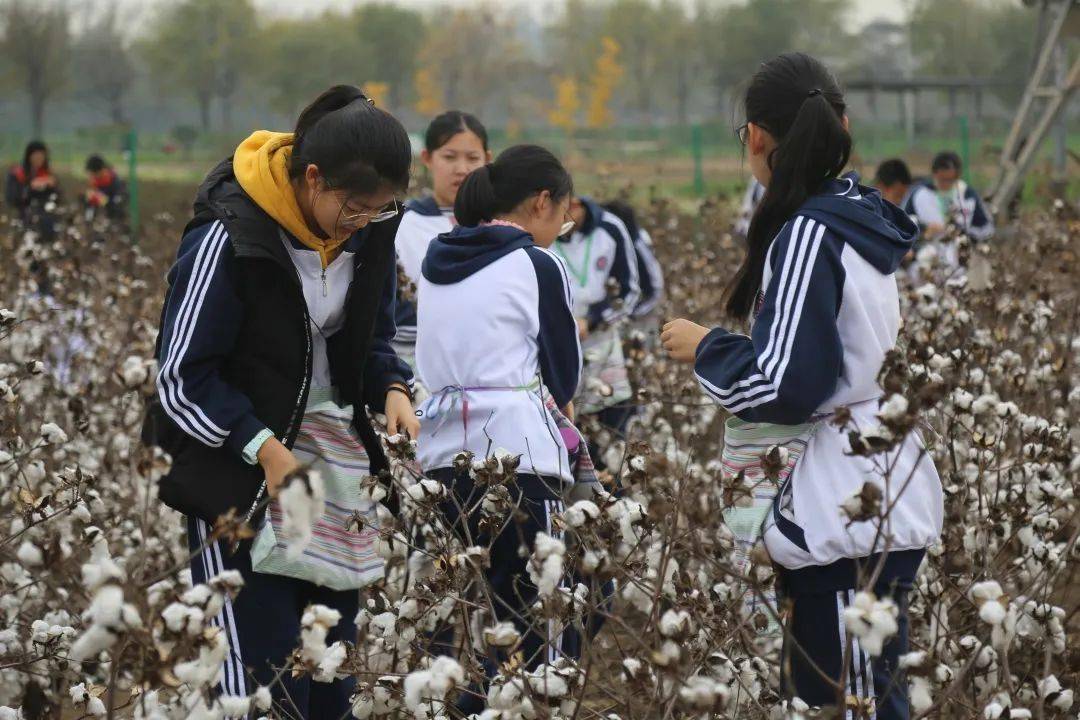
{"points": [[745, 447], [339, 557]]}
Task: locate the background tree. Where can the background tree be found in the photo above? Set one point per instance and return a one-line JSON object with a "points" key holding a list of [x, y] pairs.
{"points": [[105, 66], [36, 43], [204, 47], [963, 38], [389, 38], [320, 42], [607, 73]]}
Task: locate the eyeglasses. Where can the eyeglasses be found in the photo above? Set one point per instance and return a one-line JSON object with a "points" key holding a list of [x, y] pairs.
{"points": [[743, 133], [390, 210], [568, 225], [349, 219]]}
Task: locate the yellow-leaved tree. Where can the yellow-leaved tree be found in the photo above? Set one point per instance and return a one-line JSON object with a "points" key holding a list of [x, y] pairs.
{"points": [[429, 99], [377, 91], [564, 113], [606, 75]]}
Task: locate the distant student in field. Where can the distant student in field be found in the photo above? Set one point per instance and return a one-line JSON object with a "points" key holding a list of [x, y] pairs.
{"points": [[602, 261], [751, 198], [106, 191], [819, 286], [31, 184], [650, 274], [456, 143], [894, 180], [958, 200]]}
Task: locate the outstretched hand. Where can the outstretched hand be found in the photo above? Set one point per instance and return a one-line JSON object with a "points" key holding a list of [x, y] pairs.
{"points": [[681, 339]]}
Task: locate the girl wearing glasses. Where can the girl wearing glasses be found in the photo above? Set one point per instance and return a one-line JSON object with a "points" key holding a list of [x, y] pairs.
{"points": [[281, 299], [496, 337], [456, 143]]}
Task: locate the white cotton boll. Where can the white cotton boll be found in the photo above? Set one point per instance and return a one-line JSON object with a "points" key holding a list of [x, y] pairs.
{"points": [[871, 620], [502, 635], [262, 699], [426, 690], [581, 513], [893, 408], [30, 554], [235, 706], [301, 505], [546, 681], [919, 695], [52, 434], [332, 659], [992, 612], [988, 590], [703, 693], [1051, 692], [134, 371], [427, 490], [675, 623], [546, 565]]}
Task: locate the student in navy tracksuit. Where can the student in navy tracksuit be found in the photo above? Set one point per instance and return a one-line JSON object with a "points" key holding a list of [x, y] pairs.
{"points": [[455, 144], [496, 337], [282, 291], [959, 201], [754, 192], [650, 274], [893, 179], [601, 259], [819, 283]]}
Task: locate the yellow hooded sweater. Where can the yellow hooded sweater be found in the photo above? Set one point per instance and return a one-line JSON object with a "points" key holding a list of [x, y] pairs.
{"points": [[261, 165]]}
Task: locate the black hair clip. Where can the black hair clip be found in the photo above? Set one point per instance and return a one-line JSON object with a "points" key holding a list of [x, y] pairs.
{"points": [[812, 93]]}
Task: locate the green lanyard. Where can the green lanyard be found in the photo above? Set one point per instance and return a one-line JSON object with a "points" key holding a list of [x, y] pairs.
{"points": [[581, 273]]}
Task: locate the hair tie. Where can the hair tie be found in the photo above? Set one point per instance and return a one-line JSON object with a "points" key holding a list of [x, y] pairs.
{"points": [[812, 93]]}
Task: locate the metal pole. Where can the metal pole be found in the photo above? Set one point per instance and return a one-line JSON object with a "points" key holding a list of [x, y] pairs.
{"points": [[699, 170], [133, 183], [965, 147]]}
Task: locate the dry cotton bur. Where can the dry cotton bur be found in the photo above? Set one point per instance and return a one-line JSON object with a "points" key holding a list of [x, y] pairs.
{"points": [[99, 616]]}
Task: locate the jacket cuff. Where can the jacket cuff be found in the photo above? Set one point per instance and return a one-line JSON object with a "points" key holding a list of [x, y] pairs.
{"points": [[243, 433], [251, 450], [714, 334]]}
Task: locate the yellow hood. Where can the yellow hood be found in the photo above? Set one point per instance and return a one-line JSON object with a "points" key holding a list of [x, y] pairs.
{"points": [[261, 165]]}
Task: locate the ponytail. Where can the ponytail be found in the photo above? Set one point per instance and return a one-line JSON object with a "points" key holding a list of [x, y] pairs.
{"points": [[517, 174], [357, 147], [797, 101]]}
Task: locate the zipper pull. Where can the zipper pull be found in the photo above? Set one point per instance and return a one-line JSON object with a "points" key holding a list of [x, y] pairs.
{"points": [[324, 282]]}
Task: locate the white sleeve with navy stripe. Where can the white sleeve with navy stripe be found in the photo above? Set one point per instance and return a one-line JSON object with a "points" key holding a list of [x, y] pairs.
{"points": [[790, 363], [650, 276], [201, 319], [559, 350], [624, 268], [980, 225]]}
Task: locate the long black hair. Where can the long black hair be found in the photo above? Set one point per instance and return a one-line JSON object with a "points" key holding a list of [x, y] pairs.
{"points": [[518, 173], [32, 147], [622, 210], [798, 102], [357, 147], [450, 123]]}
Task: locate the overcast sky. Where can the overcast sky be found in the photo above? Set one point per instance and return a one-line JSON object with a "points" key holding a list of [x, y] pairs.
{"points": [[863, 12]]}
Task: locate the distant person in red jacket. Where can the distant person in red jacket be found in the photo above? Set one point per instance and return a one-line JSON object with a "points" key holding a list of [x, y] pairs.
{"points": [[106, 191], [31, 184]]}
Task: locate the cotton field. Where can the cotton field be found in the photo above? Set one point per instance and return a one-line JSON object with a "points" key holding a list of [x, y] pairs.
{"points": [[99, 617]]}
